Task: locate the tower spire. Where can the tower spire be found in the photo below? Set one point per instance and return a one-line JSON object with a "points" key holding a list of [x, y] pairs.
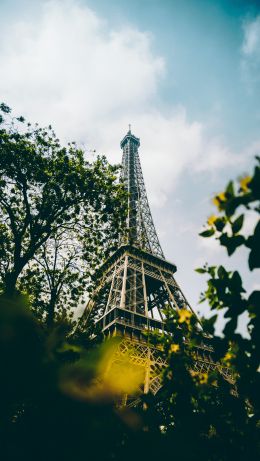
{"points": [[140, 227]]}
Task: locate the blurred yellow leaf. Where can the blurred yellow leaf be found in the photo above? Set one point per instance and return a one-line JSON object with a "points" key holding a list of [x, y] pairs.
{"points": [[221, 197], [228, 357], [212, 219], [184, 315], [201, 378], [104, 376], [174, 348], [117, 372], [194, 373], [244, 183]]}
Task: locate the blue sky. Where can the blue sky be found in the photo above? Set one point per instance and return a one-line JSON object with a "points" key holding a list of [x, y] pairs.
{"points": [[185, 74]]}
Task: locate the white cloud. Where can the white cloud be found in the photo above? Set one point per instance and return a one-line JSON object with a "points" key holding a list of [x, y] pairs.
{"points": [[210, 246], [251, 42], [170, 145], [250, 49], [68, 67], [250, 221], [63, 64], [256, 287]]}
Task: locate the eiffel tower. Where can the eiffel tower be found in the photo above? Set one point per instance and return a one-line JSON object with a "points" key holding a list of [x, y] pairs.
{"points": [[136, 284]]}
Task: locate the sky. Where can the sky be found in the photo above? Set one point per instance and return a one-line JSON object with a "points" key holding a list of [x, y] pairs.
{"points": [[184, 73]]}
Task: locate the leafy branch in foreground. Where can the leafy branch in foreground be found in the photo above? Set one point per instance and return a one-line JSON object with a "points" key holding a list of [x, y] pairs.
{"points": [[225, 288], [49, 196], [200, 412]]}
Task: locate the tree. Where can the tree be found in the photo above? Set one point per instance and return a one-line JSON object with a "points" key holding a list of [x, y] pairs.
{"points": [[49, 196], [225, 288], [203, 415], [51, 394], [57, 278]]}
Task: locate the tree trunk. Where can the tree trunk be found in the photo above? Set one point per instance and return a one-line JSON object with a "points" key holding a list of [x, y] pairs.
{"points": [[51, 308], [10, 283], [11, 277]]}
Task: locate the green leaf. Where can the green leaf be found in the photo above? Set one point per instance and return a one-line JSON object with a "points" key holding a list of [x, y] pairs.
{"points": [[230, 188], [255, 183], [254, 259], [209, 324], [237, 282], [254, 301], [231, 243], [207, 233], [220, 224], [222, 273], [4, 108], [200, 270], [253, 242], [232, 204], [237, 224]]}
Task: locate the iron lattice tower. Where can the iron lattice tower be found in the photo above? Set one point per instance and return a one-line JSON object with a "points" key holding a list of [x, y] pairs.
{"points": [[137, 283], [141, 229]]}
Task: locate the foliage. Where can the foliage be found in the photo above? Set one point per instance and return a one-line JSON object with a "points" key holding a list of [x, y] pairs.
{"points": [[57, 401], [226, 292], [225, 288], [46, 410], [60, 215]]}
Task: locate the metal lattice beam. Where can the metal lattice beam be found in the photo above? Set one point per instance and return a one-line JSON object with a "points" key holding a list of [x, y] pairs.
{"points": [[137, 284], [140, 226]]}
